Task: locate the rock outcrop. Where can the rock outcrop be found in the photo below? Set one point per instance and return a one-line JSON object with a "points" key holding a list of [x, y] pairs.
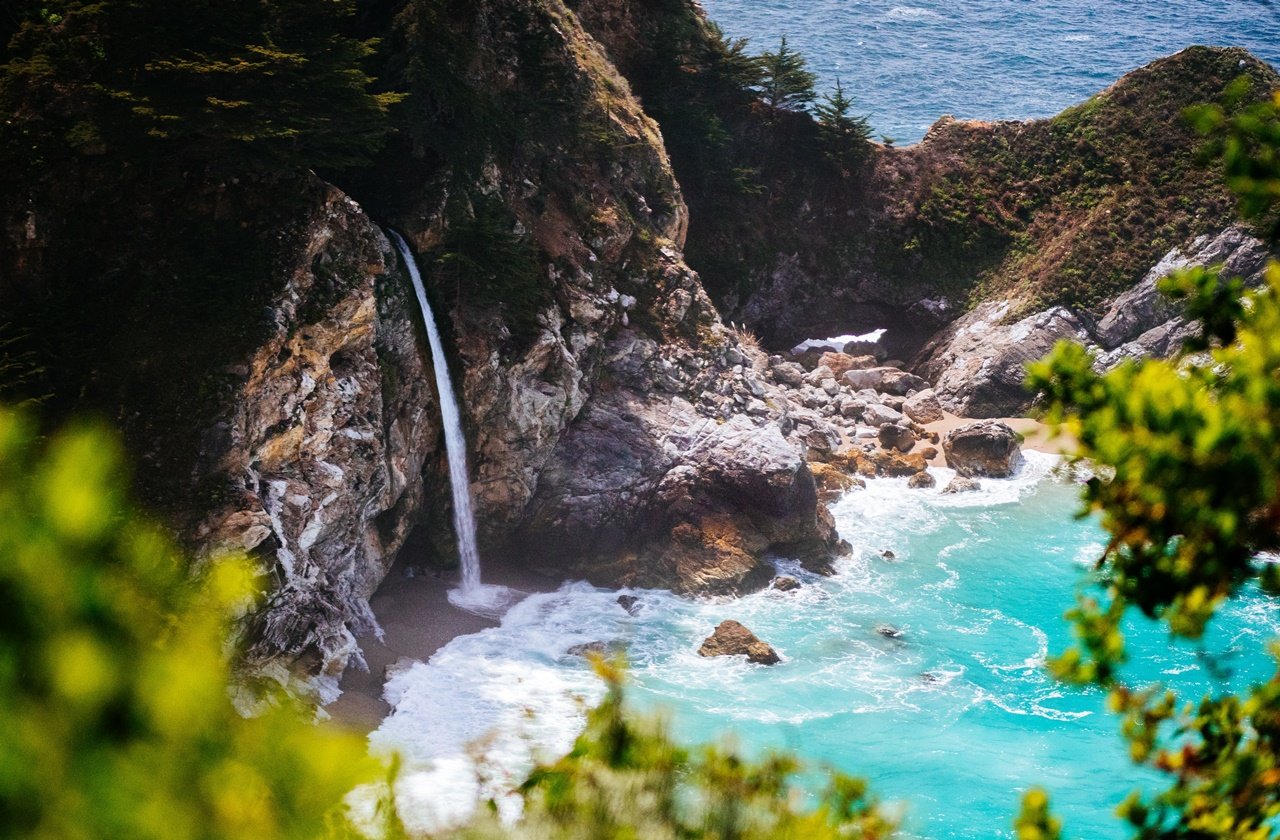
{"points": [[987, 448], [320, 454], [978, 363], [732, 639]]}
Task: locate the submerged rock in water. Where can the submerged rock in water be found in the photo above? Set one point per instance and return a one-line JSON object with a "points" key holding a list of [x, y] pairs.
{"points": [[630, 603], [960, 484], [889, 631], [785, 584], [597, 648], [921, 480], [888, 554], [732, 639], [986, 448]]}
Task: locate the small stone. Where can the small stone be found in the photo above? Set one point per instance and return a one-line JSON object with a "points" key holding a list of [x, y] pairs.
{"points": [[888, 555], [630, 603], [896, 437], [889, 631], [785, 584], [960, 484], [921, 480], [732, 639]]}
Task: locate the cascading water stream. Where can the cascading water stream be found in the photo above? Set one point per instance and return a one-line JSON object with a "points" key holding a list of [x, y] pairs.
{"points": [[471, 595]]}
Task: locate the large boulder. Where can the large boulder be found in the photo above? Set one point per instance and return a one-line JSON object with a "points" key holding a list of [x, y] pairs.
{"points": [[987, 448], [644, 491], [877, 415], [732, 639], [978, 363]]}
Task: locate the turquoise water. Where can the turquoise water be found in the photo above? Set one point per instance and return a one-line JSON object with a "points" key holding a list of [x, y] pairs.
{"points": [[909, 63], [952, 721]]}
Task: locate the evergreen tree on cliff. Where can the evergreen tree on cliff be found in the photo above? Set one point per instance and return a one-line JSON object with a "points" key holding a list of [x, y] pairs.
{"points": [[844, 135], [786, 85]]}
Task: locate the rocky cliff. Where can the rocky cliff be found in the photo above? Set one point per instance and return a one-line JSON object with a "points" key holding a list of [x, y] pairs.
{"points": [[302, 427], [255, 339]]}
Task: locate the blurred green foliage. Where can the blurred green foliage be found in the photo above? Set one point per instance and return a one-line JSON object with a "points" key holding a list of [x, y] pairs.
{"points": [[1187, 454], [115, 717]]}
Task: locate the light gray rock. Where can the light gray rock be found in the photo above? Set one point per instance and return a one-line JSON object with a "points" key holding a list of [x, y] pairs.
{"points": [[923, 406], [960, 484], [877, 415], [1144, 308], [978, 363]]}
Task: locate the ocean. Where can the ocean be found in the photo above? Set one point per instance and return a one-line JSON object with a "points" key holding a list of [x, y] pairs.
{"points": [[907, 65], [951, 721]]}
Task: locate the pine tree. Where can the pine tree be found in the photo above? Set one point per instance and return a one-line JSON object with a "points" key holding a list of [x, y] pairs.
{"points": [[845, 137], [218, 82], [786, 84]]}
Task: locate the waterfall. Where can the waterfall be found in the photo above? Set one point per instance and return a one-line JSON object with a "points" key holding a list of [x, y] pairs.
{"points": [[471, 595]]}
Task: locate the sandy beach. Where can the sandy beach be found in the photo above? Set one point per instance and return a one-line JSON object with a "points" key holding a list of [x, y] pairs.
{"points": [[412, 605]]}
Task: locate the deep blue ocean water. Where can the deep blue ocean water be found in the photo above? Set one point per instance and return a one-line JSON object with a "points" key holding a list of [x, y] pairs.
{"points": [[908, 63], [950, 722]]}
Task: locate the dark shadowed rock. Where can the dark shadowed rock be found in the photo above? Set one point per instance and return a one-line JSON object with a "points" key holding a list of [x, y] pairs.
{"points": [[630, 603], [732, 639], [785, 584], [921, 480], [889, 631], [986, 448], [789, 374], [897, 437]]}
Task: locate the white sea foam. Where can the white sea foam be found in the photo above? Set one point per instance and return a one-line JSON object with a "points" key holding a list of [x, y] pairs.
{"points": [[472, 721]]}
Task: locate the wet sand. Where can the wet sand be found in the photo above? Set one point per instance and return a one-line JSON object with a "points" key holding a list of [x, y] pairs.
{"points": [[412, 605]]}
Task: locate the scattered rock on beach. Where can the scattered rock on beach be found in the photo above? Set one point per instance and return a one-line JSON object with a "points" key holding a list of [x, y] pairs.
{"points": [[732, 639]]}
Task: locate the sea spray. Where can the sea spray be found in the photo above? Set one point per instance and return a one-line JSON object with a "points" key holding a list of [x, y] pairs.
{"points": [[471, 594]]}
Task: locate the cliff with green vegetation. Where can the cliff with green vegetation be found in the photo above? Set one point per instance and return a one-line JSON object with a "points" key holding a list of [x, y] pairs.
{"points": [[1066, 211]]}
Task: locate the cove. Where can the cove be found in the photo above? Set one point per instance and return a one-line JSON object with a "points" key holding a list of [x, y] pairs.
{"points": [[953, 720]]}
